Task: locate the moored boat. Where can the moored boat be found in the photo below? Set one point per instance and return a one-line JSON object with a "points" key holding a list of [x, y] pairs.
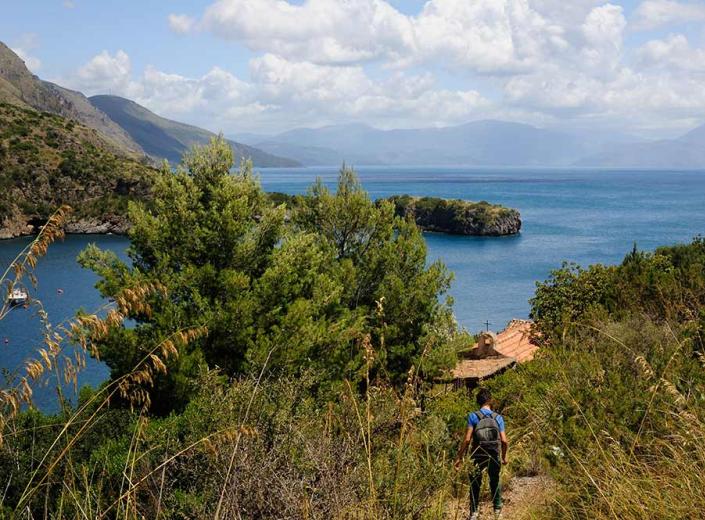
{"points": [[18, 297]]}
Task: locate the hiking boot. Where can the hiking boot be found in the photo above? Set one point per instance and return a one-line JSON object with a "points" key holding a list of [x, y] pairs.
{"points": [[475, 516], [497, 514]]}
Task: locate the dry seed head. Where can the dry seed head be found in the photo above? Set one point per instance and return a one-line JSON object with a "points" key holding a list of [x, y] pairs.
{"points": [[34, 369], [26, 391], [673, 392], [701, 357], [644, 368], [158, 364], [47, 360], [367, 346]]}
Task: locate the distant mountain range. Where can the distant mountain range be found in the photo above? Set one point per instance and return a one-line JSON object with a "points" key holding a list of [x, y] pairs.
{"points": [[133, 131], [685, 152], [479, 143], [126, 127]]}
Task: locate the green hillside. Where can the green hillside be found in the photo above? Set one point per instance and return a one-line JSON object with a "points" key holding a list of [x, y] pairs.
{"points": [[166, 139], [46, 161], [19, 87]]}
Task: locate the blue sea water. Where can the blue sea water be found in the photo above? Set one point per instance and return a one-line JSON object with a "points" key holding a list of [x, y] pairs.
{"points": [[584, 216]]}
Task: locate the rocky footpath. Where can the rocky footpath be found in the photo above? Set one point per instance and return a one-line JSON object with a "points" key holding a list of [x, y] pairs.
{"points": [[458, 217]]}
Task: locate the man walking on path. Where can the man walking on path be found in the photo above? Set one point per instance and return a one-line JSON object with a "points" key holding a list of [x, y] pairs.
{"points": [[486, 433]]}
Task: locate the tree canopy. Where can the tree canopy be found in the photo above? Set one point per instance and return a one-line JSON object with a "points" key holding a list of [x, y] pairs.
{"points": [[274, 295]]}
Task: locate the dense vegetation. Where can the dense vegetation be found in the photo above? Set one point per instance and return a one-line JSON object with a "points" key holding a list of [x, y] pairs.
{"points": [[271, 371], [617, 400], [458, 217], [47, 161]]}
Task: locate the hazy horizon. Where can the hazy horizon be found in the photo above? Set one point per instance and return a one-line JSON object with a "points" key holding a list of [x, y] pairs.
{"points": [[625, 67]]}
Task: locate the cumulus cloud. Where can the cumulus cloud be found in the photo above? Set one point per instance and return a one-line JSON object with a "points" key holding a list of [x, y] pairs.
{"points": [[279, 89], [24, 47], [104, 73], [325, 61], [603, 31], [655, 13], [489, 35], [322, 31], [181, 23], [673, 53]]}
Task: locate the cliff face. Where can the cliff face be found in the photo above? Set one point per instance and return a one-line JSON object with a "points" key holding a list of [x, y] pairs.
{"points": [[458, 217]]}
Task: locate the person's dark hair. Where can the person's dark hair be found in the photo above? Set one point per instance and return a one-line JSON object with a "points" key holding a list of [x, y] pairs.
{"points": [[483, 396]]}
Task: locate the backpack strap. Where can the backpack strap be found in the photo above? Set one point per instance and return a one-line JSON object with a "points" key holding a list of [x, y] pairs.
{"points": [[479, 416]]}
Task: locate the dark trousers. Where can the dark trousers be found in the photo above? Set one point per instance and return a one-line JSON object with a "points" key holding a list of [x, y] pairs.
{"points": [[493, 467]]}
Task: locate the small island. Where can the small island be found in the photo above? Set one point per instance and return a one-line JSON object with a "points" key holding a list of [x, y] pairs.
{"points": [[458, 217], [451, 216]]}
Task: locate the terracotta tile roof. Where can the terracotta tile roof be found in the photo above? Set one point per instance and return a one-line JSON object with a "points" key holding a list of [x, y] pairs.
{"points": [[480, 368], [511, 346], [514, 341]]}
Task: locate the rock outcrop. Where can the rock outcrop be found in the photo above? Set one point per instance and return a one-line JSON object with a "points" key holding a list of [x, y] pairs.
{"points": [[113, 224]]}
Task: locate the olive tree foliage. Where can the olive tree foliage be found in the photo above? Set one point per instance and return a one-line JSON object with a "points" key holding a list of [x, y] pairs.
{"points": [[274, 296]]}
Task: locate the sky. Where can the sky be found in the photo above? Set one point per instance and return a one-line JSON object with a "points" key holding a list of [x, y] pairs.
{"points": [[634, 67]]}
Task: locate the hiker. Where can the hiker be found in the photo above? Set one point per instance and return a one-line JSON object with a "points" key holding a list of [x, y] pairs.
{"points": [[486, 433]]}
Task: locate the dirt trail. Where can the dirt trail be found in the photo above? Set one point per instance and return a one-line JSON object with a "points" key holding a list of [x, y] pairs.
{"points": [[524, 499]]}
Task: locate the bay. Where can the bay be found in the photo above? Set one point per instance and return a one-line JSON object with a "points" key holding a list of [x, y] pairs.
{"points": [[583, 216]]}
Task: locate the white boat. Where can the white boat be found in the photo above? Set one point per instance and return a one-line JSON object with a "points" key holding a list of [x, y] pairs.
{"points": [[18, 297]]}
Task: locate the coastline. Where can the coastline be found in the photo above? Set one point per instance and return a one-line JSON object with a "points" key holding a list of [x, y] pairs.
{"points": [[112, 224]]}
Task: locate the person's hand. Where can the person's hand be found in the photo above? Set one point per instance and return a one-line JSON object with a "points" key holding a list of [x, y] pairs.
{"points": [[458, 464], [504, 461]]}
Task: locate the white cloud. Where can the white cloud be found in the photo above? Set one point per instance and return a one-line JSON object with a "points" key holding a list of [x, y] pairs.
{"points": [[24, 48], [603, 31], [105, 73], [656, 13], [329, 61], [181, 23], [488, 35], [279, 89], [485, 35], [673, 53], [322, 31]]}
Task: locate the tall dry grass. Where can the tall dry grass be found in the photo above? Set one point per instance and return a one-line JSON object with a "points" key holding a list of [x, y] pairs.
{"points": [[252, 447], [618, 411]]}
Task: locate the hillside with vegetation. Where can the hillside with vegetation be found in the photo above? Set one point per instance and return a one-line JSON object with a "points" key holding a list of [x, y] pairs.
{"points": [[263, 370], [163, 138], [19, 87], [47, 161]]}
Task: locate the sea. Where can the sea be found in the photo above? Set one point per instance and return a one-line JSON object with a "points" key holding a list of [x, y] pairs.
{"points": [[569, 215]]}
